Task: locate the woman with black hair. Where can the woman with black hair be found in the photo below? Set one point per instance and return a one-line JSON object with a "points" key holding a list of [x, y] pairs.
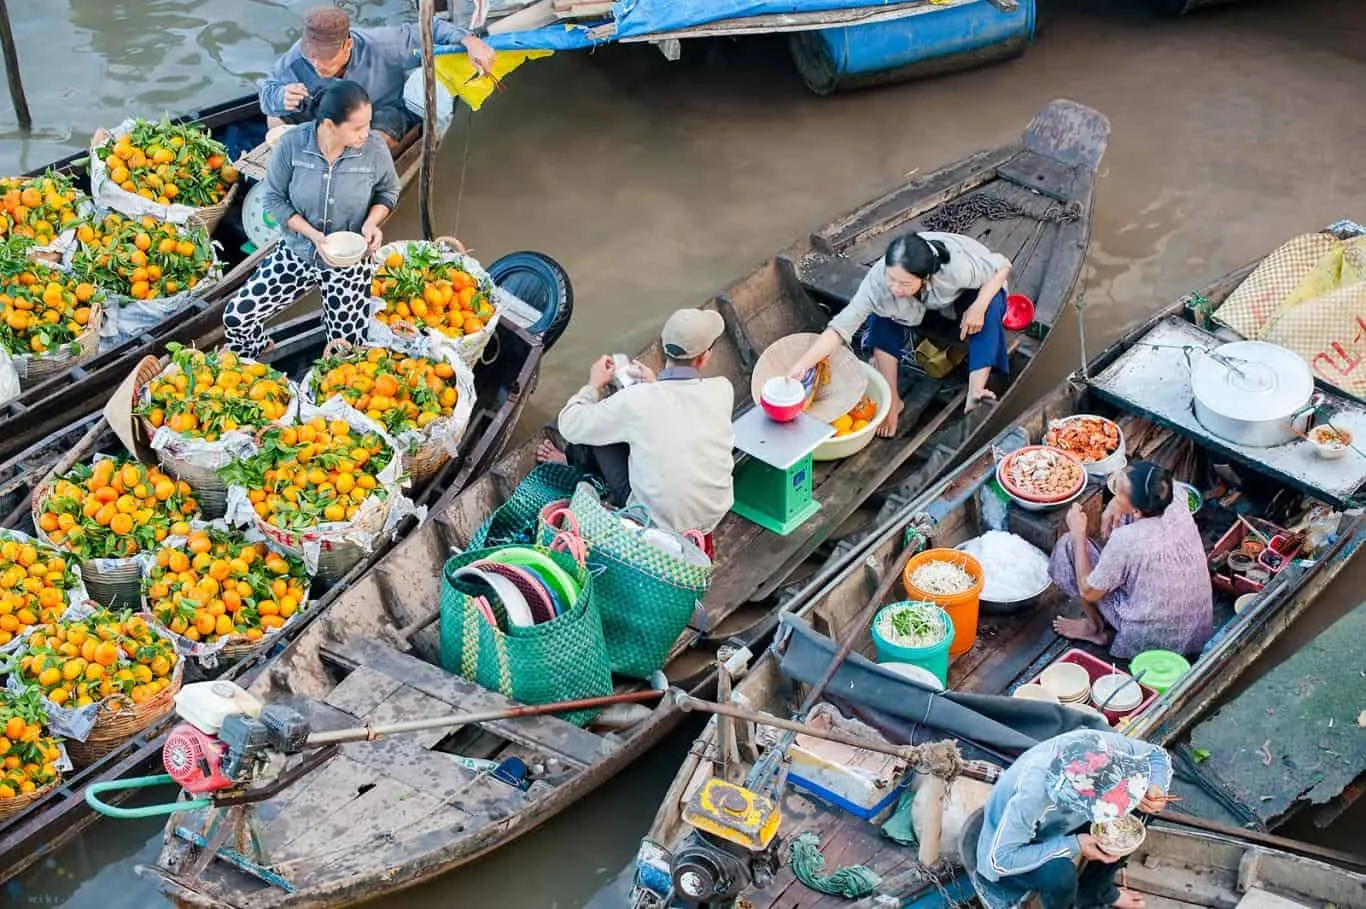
{"points": [[947, 275], [1150, 583], [330, 175]]}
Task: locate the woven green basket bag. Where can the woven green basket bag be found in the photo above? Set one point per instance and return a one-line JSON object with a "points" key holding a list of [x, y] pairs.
{"points": [[645, 596], [515, 520], [563, 659]]}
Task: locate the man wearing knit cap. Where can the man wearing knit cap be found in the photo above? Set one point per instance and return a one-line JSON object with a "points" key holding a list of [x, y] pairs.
{"points": [[672, 431], [377, 58]]}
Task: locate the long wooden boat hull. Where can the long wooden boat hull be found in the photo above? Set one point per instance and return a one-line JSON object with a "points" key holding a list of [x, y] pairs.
{"points": [[399, 814], [958, 36], [84, 388], [503, 386], [1009, 650]]}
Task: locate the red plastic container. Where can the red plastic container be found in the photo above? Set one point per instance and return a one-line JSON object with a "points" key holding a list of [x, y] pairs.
{"points": [[1095, 668], [1019, 312], [1232, 540], [783, 399]]}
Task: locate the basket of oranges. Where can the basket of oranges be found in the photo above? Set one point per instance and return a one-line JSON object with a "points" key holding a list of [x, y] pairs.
{"points": [[323, 490], [445, 295], [38, 583], [31, 762], [171, 171], [201, 411], [49, 319], [108, 512], [42, 213], [423, 403], [220, 596], [106, 675]]}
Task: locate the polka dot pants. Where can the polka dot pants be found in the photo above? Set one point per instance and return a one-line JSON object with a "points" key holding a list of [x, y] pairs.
{"points": [[279, 281]]}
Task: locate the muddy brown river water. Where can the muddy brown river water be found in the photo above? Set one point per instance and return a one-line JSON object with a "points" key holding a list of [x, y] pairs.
{"points": [[655, 184]]}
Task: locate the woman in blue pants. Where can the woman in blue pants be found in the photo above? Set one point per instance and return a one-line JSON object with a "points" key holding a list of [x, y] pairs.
{"points": [[946, 275]]}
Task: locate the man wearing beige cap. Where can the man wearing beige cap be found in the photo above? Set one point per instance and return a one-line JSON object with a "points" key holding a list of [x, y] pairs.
{"points": [[377, 58], [672, 431]]}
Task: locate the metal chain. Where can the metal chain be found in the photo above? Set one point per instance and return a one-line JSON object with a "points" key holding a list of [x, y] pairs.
{"points": [[958, 216]]}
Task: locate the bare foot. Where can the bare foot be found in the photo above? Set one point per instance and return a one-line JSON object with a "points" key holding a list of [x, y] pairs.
{"points": [[986, 397], [1079, 630], [547, 453], [888, 427], [1129, 899]]}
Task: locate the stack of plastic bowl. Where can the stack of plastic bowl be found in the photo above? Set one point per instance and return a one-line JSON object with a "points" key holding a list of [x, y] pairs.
{"points": [[1035, 692], [1068, 682]]}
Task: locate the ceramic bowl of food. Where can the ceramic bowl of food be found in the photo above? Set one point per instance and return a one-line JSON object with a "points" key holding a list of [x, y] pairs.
{"points": [[1330, 442], [1040, 478], [344, 249], [1097, 441], [1120, 837], [783, 399]]}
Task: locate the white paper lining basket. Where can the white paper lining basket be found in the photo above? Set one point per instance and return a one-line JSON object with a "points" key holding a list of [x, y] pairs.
{"points": [[37, 368], [330, 550], [431, 342], [197, 461], [109, 195], [424, 451]]}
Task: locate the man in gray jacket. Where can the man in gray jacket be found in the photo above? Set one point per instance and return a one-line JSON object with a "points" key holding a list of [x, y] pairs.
{"points": [[378, 59]]}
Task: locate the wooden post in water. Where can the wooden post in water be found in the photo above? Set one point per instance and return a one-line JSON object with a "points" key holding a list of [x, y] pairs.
{"points": [[16, 84], [426, 11]]}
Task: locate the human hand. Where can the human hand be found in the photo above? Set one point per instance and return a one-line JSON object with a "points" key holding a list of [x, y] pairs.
{"points": [[972, 321], [646, 373], [374, 237], [481, 55], [601, 373], [295, 94], [1091, 851], [1076, 521], [1112, 517], [1153, 801]]}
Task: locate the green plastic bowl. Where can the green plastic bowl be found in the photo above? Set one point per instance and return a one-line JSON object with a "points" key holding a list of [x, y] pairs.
{"points": [[565, 587], [1161, 668]]}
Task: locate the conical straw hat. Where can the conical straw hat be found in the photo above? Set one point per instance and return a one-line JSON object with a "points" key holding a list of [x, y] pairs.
{"points": [[848, 381]]}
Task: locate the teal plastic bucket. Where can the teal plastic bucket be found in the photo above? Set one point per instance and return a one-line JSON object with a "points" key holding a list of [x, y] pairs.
{"points": [[934, 658]]}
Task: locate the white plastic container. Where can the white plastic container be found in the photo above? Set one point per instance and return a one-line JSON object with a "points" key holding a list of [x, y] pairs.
{"points": [[205, 705], [833, 449]]}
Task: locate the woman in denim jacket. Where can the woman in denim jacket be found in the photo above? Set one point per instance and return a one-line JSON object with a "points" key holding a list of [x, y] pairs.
{"points": [[330, 175]]}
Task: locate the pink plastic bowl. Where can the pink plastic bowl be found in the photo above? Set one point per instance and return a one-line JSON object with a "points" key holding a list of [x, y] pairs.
{"points": [[1019, 312], [782, 399]]}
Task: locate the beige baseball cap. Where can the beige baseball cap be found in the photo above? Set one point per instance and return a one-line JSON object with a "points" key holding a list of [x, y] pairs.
{"points": [[690, 333]]}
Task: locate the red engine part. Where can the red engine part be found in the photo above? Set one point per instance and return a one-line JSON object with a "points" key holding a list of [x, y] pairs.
{"points": [[194, 759]]}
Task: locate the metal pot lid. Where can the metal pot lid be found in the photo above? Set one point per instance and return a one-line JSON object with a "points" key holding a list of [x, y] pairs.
{"points": [[1252, 380]]}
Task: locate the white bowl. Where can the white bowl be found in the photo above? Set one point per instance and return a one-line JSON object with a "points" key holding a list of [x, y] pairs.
{"points": [[1067, 681], [344, 249], [1243, 602], [917, 674], [1033, 692], [1326, 450], [837, 447], [1116, 460], [1129, 696]]}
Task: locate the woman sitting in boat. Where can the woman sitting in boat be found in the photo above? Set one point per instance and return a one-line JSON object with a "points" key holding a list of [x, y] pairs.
{"points": [[333, 174], [1039, 816], [1150, 583], [950, 276]]}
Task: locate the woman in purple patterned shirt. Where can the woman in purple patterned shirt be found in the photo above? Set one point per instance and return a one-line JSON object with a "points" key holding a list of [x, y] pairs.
{"points": [[1150, 583]]}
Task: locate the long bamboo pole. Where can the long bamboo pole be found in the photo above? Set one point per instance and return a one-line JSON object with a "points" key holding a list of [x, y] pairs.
{"points": [[16, 83], [426, 12]]}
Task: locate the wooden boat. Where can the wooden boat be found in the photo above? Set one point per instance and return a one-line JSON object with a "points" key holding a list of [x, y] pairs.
{"points": [[47, 406], [383, 816], [935, 41], [1011, 649], [503, 385]]}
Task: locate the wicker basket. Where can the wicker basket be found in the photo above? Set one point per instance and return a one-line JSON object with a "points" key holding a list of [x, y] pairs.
{"points": [[207, 217], [336, 557], [41, 367], [209, 489], [118, 586], [238, 646], [17, 805], [113, 729]]}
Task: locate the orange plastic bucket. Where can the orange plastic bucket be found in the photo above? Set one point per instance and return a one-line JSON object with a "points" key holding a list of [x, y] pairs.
{"points": [[961, 607]]}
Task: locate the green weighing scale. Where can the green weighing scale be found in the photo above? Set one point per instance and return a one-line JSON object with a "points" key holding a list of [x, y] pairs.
{"points": [[773, 479]]}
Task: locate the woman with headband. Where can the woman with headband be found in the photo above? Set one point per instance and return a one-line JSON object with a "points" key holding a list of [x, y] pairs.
{"points": [[1150, 583], [947, 275]]}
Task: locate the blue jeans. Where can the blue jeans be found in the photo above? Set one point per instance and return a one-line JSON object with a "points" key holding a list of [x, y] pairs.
{"points": [[1060, 887], [987, 348]]}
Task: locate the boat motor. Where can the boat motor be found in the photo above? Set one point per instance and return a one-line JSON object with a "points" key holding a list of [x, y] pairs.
{"points": [[733, 845], [229, 741]]}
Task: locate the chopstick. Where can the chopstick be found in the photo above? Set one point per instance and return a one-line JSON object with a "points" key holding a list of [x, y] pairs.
{"points": [[1261, 536]]}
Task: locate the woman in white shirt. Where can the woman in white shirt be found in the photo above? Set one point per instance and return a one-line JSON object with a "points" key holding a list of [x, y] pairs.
{"points": [[949, 275]]}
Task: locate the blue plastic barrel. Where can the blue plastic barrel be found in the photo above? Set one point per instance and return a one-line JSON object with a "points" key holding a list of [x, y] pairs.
{"points": [[941, 40]]}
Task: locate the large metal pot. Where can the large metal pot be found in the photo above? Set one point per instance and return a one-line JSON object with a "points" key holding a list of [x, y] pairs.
{"points": [[1250, 392]]}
